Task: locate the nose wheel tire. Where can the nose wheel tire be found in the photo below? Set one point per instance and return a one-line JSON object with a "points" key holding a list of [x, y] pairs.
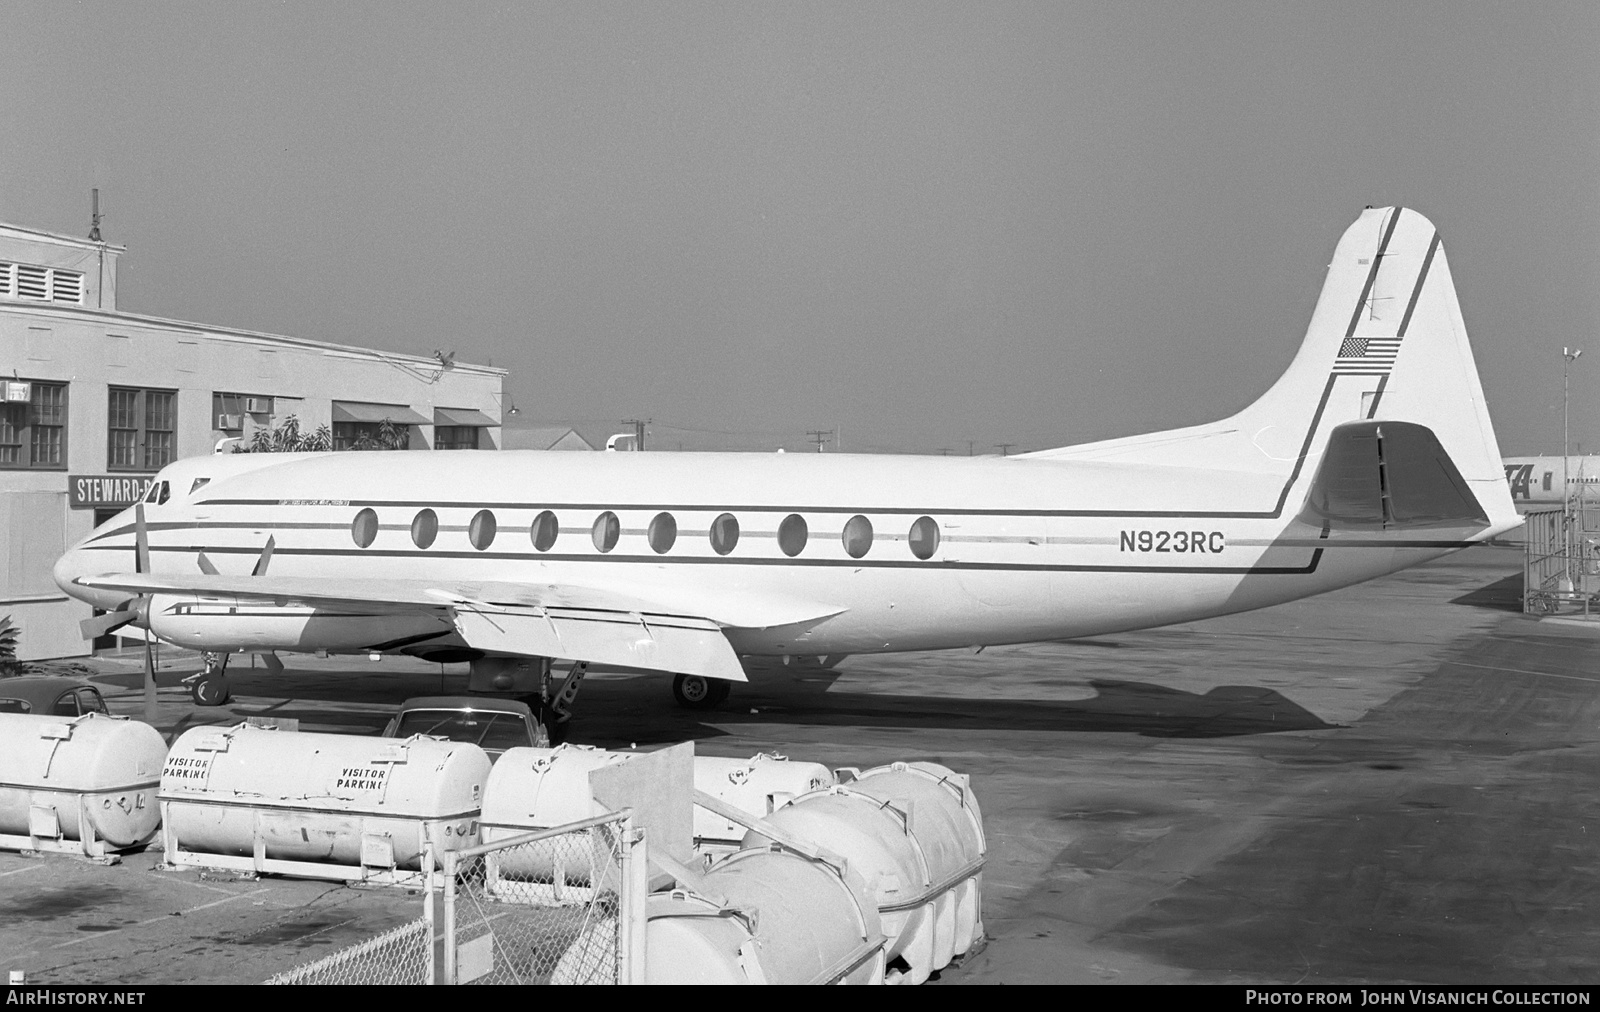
{"points": [[211, 690], [697, 693]]}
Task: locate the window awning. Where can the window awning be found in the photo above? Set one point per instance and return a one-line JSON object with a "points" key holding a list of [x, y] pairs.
{"points": [[355, 411], [462, 416]]}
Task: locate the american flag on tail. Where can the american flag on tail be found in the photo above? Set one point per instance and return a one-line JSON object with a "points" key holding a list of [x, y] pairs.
{"points": [[1369, 355]]}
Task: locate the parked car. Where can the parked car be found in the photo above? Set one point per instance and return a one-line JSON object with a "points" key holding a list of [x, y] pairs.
{"points": [[55, 695], [494, 725]]}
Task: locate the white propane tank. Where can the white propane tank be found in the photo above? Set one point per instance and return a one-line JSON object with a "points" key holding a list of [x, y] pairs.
{"points": [[537, 788], [289, 802], [788, 920], [757, 786], [91, 780], [876, 839], [942, 814], [540, 788]]}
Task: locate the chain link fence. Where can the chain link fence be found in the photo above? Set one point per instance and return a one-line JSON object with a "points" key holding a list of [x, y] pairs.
{"points": [[541, 908], [556, 906], [401, 956]]}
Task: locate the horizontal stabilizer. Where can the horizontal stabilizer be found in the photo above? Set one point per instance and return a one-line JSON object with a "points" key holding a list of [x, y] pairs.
{"points": [[1388, 475]]}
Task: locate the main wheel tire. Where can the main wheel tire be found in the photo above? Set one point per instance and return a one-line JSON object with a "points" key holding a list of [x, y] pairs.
{"points": [[697, 693], [212, 690]]}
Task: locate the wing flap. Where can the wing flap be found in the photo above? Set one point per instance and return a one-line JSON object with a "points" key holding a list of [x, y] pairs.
{"points": [[679, 644]]}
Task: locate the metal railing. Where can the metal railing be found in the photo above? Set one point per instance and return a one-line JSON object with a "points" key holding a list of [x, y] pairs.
{"points": [[1561, 568]]}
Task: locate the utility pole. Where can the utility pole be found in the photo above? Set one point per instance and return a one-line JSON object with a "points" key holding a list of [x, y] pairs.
{"points": [[1005, 448], [969, 447], [638, 431], [819, 436], [944, 451]]}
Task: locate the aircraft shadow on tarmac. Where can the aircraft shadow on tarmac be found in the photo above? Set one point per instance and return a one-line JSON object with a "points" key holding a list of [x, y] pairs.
{"points": [[629, 710], [1501, 595]]}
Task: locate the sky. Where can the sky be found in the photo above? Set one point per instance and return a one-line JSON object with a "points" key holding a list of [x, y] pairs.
{"points": [[926, 226]]}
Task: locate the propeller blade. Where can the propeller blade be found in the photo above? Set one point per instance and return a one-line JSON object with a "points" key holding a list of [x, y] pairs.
{"points": [[206, 565], [141, 540], [100, 625], [149, 683], [266, 557], [273, 664]]}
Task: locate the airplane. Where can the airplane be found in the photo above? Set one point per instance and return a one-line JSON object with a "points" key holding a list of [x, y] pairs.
{"points": [[1548, 482], [1373, 452]]}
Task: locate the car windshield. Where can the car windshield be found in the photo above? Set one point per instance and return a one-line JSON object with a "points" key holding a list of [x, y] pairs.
{"points": [[486, 729]]}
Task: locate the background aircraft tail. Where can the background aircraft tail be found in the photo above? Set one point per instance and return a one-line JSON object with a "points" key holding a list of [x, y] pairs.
{"points": [[1386, 343]]}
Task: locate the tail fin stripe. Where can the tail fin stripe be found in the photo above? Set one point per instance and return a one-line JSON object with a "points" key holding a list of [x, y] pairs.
{"points": [[1377, 395], [1372, 273], [1416, 293]]}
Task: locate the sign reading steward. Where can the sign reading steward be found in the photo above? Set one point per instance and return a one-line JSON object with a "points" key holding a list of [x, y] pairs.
{"points": [[97, 491]]}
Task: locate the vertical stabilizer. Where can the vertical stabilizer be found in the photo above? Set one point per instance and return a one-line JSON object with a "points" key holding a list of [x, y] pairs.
{"points": [[1386, 342]]}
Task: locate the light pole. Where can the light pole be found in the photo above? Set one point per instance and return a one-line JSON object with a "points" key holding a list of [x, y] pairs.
{"points": [[1568, 356]]}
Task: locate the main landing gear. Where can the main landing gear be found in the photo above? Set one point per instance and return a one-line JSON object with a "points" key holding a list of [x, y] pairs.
{"points": [[698, 693], [210, 686], [556, 699]]}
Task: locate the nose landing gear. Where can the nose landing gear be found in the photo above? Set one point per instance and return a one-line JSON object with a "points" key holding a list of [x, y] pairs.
{"points": [[210, 686]]}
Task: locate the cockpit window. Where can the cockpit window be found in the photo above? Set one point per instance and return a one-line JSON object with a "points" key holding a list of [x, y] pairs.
{"points": [[158, 493], [198, 482]]}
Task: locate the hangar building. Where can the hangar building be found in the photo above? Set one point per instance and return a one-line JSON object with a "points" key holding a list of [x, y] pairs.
{"points": [[96, 400]]}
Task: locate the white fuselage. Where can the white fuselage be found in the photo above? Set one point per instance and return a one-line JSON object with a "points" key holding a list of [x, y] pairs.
{"points": [[1026, 549]]}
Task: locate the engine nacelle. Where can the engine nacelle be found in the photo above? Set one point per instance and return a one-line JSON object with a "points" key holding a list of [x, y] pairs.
{"points": [[244, 625]]}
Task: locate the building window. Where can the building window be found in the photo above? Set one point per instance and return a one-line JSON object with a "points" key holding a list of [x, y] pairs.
{"points": [[40, 284], [228, 411], [384, 435], [455, 437], [143, 429], [33, 432]]}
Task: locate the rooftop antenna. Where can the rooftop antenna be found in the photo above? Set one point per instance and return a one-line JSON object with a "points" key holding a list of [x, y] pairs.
{"points": [[94, 215]]}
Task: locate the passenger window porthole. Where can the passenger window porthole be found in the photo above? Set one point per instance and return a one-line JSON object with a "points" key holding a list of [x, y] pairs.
{"points": [[424, 528], [544, 531], [606, 531], [924, 537], [481, 530], [857, 536], [364, 528], [663, 533], [724, 533], [792, 535]]}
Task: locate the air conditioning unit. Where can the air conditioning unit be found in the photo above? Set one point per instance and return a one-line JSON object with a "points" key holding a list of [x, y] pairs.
{"points": [[18, 392], [258, 405], [230, 422]]}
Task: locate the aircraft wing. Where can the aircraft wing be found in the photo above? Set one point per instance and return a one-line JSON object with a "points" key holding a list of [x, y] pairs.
{"points": [[576, 622]]}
